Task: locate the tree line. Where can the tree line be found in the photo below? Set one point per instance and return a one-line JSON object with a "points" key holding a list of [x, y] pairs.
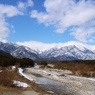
{"points": [[8, 60]]}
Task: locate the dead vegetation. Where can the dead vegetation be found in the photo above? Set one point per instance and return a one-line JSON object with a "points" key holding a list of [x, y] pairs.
{"points": [[80, 68], [6, 82], [84, 68]]}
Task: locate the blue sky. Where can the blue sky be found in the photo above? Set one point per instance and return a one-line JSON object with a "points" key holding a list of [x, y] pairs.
{"points": [[48, 21]]}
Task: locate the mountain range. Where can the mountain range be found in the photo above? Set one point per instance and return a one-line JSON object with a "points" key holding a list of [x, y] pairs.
{"points": [[18, 51], [66, 51]]}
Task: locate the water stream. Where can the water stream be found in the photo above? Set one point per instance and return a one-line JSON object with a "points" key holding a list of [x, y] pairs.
{"points": [[57, 88]]}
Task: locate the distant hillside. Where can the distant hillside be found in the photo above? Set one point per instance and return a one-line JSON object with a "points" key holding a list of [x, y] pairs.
{"points": [[19, 51], [4, 54], [68, 51], [8, 60]]}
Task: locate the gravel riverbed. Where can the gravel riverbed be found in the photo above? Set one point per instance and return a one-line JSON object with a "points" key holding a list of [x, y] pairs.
{"points": [[61, 83]]}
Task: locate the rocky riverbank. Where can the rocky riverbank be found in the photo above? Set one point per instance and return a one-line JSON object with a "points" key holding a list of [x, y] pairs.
{"points": [[73, 85]]}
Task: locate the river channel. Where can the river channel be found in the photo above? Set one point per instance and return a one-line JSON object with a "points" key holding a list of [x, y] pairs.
{"points": [[55, 87]]}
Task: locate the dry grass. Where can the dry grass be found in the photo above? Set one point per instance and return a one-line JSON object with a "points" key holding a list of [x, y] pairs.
{"points": [[6, 82], [77, 68]]}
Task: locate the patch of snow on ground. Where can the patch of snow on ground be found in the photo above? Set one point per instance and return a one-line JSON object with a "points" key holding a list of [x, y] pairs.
{"points": [[20, 84], [22, 74], [13, 67]]}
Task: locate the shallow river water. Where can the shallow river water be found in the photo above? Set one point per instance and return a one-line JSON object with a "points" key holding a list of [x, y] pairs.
{"points": [[55, 87]]}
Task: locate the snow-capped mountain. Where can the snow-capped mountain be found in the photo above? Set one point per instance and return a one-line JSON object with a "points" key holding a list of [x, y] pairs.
{"points": [[41, 47], [71, 52], [21, 52], [62, 51], [18, 51]]}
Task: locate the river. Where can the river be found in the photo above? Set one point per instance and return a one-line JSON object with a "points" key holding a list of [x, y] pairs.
{"points": [[55, 87], [50, 80]]}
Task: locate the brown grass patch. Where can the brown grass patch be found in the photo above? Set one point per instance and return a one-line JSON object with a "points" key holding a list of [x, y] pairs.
{"points": [[79, 68], [6, 82]]}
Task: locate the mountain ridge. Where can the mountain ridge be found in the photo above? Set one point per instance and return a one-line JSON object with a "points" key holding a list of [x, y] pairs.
{"points": [[18, 50], [41, 47], [63, 51], [69, 53]]}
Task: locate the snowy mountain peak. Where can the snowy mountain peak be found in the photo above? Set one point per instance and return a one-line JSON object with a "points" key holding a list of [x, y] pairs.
{"points": [[61, 51], [18, 50], [70, 44], [3, 40], [74, 43], [69, 51], [41, 47]]}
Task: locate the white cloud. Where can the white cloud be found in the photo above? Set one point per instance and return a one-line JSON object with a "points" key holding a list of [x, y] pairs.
{"points": [[8, 11], [84, 34], [40, 46], [63, 14], [30, 3], [21, 5], [3, 28], [24, 5], [37, 45]]}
